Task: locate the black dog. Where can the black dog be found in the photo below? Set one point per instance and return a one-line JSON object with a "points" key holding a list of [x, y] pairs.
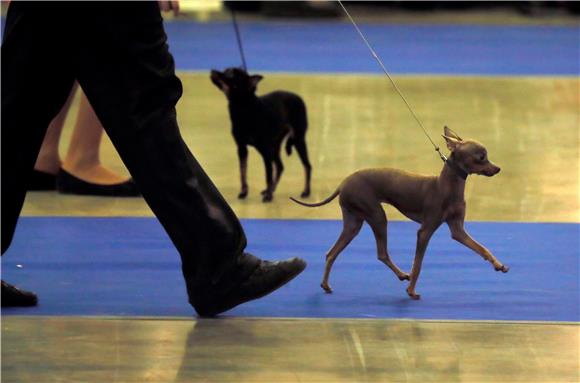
{"points": [[263, 122]]}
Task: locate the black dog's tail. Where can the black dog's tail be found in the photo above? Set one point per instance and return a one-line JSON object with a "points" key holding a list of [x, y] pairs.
{"points": [[330, 198], [289, 144]]}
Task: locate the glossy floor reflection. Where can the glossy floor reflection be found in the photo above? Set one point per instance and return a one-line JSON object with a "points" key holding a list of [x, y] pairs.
{"points": [[530, 126], [69, 349]]}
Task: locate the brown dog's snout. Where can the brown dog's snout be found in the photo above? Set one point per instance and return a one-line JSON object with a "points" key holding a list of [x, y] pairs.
{"points": [[489, 170], [493, 170]]}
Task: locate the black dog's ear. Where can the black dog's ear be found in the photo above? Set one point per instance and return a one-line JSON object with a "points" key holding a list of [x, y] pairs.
{"points": [[255, 79], [217, 78]]}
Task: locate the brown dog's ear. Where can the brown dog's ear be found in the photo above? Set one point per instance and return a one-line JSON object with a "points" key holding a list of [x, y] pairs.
{"points": [[452, 143], [255, 79], [217, 79], [450, 133]]}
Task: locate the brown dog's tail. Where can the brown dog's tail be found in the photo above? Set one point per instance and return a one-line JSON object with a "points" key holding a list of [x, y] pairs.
{"points": [[332, 196]]}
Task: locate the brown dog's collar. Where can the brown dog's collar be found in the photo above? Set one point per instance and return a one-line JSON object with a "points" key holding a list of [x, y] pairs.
{"points": [[460, 172]]}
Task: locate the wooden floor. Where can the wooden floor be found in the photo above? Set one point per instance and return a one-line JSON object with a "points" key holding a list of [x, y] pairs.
{"points": [[530, 126], [257, 350]]}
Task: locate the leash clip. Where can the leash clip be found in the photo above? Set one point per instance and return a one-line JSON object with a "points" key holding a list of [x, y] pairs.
{"points": [[441, 154]]}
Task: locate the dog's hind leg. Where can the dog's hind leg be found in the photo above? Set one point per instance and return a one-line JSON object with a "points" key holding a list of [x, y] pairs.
{"points": [[377, 220], [351, 227], [279, 170], [289, 140]]}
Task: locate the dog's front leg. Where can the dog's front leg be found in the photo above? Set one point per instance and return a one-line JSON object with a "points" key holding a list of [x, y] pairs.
{"points": [[459, 234], [243, 157], [423, 236], [267, 194]]}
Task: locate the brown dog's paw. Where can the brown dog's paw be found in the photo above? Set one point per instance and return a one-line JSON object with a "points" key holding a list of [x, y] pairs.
{"points": [[502, 268], [326, 288], [268, 197], [243, 195], [413, 295], [305, 193], [404, 277]]}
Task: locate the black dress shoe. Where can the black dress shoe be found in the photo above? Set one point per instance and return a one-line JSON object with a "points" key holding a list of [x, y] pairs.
{"points": [[41, 181], [66, 183], [14, 297], [266, 278]]}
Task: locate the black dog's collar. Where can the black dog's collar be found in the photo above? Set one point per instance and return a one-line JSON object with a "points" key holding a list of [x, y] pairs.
{"points": [[460, 172]]}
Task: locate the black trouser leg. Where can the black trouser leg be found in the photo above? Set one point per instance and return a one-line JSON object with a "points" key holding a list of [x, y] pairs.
{"points": [[36, 80], [128, 75], [123, 64]]}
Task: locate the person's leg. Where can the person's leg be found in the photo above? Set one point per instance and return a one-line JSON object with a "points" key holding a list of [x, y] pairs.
{"points": [[48, 160], [128, 75], [83, 156], [31, 36], [81, 172]]}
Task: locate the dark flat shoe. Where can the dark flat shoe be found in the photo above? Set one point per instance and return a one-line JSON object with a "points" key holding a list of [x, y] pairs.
{"points": [[14, 297], [41, 181], [266, 278], [66, 183]]}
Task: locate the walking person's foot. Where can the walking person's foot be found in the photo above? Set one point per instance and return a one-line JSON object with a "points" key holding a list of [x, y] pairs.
{"points": [[265, 278], [15, 297]]}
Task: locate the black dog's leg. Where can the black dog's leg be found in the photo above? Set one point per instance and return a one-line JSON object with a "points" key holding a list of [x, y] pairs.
{"points": [[243, 156], [300, 144], [279, 170], [267, 194]]}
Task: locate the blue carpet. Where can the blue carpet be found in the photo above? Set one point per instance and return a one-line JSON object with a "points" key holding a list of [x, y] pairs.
{"points": [[127, 266], [405, 49], [410, 49]]}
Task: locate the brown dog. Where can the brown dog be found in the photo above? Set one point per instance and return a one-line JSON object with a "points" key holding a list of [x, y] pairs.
{"points": [[429, 201]]}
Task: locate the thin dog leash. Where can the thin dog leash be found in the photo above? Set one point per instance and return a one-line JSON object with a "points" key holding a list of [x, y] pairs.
{"points": [[392, 81], [235, 22]]}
